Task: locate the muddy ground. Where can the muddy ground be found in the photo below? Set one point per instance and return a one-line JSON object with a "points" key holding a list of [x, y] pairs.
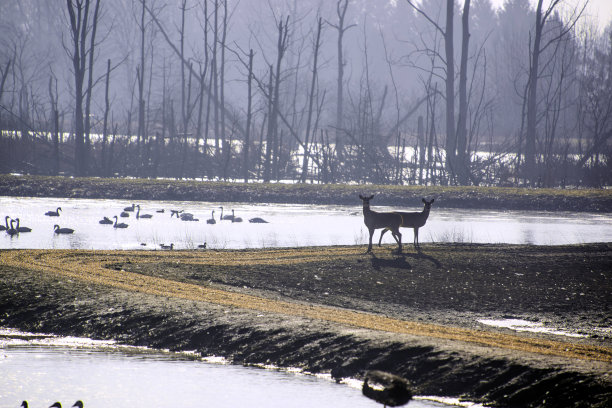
{"points": [[338, 310]]}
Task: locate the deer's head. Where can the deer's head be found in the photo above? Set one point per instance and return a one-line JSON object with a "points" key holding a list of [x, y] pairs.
{"points": [[366, 200], [427, 203]]}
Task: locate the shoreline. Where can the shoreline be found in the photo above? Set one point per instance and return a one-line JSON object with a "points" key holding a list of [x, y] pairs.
{"points": [[499, 198], [254, 307]]}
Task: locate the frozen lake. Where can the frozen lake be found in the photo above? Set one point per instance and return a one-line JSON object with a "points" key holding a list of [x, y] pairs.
{"points": [[289, 225]]}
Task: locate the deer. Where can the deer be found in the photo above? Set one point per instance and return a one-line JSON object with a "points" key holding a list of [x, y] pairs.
{"points": [[376, 220], [414, 220]]}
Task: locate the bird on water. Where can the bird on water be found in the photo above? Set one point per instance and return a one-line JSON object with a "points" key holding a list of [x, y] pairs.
{"points": [[6, 224], [258, 220], [59, 230], [22, 229], [120, 225], [78, 404], [143, 215], [54, 213]]}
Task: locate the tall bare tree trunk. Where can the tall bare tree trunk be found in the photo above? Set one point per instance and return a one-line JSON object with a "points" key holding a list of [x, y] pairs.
{"points": [[311, 98], [247, 138], [462, 167], [451, 140]]}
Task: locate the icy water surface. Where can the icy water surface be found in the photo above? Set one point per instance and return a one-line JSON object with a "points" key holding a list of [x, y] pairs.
{"points": [[289, 225], [44, 370]]}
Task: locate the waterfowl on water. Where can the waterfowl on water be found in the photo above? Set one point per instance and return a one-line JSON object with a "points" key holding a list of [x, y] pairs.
{"points": [[5, 226], [78, 404], [175, 212], [258, 220], [11, 230], [160, 211], [170, 247], [143, 215], [234, 218], [202, 246], [58, 230], [212, 220], [54, 213], [56, 405], [106, 221], [120, 225], [224, 217], [124, 214], [22, 229], [131, 208]]}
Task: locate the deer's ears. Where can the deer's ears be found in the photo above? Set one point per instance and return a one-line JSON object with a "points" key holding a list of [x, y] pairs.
{"points": [[425, 201], [366, 198]]}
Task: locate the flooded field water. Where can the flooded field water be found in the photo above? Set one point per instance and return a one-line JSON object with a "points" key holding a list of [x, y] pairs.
{"points": [[43, 370], [288, 225]]}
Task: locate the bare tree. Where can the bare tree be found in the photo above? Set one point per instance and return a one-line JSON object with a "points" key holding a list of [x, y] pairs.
{"points": [[537, 48], [341, 8], [80, 28], [448, 34]]}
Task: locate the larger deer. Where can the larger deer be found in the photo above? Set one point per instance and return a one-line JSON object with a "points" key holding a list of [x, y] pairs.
{"points": [[414, 220], [375, 220]]}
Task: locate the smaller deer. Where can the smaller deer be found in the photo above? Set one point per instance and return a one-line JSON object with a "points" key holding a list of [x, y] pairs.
{"points": [[375, 220], [414, 220]]}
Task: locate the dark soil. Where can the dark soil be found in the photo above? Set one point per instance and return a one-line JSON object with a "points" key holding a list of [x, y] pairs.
{"points": [[449, 285], [577, 200]]}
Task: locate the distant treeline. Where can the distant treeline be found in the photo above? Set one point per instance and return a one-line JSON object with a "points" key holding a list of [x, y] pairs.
{"points": [[341, 91]]}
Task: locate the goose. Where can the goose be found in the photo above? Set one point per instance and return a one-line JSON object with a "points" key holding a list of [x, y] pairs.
{"points": [[12, 231], [59, 230], [224, 217], [22, 229], [170, 247], [188, 217], [131, 208], [212, 220], [106, 221], [143, 215], [54, 213], [120, 225], [5, 226], [234, 218], [258, 220]]}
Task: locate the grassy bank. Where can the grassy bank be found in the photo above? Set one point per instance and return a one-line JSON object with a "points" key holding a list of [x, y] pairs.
{"points": [[578, 200]]}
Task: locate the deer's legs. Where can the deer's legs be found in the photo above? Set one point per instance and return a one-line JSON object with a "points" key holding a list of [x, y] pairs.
{"points": [[398, 237], [416, 238], [381, 235], [371, 230]]}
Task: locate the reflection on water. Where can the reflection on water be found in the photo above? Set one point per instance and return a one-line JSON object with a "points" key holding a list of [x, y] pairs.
{"points": [[106, 377], [289, 225]]}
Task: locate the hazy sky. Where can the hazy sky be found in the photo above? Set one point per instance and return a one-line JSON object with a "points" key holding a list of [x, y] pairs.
{"points": [[599, 9]]}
